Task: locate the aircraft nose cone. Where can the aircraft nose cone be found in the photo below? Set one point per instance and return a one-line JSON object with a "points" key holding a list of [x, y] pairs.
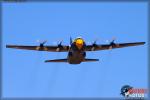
{"points": [[79, 43]]}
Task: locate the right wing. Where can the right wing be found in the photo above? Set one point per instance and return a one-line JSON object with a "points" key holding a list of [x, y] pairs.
{"points": [[111, 46], [41, 48]]}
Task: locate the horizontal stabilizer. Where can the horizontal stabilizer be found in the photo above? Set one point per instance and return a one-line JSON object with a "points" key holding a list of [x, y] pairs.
{"points": [[57, 60], [90, 60]]}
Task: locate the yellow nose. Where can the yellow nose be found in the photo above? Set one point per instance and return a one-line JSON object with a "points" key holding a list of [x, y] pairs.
{"points": [[79, 43]]}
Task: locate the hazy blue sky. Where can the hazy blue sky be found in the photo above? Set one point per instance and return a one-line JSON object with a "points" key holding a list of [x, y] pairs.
{"points": [[26, 75]]}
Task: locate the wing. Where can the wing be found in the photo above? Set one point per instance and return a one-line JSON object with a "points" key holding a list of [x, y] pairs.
{"points": [[41, 48], [111, 46]]}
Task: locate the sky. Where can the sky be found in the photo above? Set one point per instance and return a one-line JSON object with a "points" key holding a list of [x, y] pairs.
{"points": [[26, 75]]}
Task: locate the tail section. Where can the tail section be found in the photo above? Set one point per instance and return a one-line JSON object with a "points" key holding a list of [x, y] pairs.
{"points": [[70, 40], [90, 60], [66, 60], [57, 60]]}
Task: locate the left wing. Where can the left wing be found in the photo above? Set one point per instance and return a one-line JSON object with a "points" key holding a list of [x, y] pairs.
{"points": [[41, 48], [111, 46]]}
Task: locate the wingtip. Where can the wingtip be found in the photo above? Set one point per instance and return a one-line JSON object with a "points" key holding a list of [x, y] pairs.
{"points": [[46, 61], [143, 43], [7, 46]]}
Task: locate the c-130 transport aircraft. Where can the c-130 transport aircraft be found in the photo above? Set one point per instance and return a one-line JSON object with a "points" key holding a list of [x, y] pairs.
{"points": [[76, 50]]}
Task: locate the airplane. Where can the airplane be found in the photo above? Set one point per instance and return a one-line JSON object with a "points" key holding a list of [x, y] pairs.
{"points": [[76, 50]]}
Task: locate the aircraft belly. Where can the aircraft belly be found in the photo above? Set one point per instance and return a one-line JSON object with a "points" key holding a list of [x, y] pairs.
{"points": [[75, 58]]}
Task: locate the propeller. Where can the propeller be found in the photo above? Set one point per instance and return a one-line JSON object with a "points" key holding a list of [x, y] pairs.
{"points": [[59, 45], [112, 43], [41, 44], [94, 44]]}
